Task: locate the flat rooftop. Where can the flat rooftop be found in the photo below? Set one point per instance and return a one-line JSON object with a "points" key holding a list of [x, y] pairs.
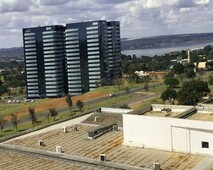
{"points": [[77, 143], [22, 161], [201, 116]]}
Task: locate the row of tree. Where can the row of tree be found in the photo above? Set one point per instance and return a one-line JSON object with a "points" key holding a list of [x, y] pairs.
{"points": [[53, 113]]}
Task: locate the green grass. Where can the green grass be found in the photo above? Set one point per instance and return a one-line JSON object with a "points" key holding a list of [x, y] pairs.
{"points": [[7, 109], [13, 108], [117, 88], [152, 101]]}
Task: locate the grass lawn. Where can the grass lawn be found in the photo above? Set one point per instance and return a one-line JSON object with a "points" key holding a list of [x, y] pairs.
{"points": [[7, 109]]}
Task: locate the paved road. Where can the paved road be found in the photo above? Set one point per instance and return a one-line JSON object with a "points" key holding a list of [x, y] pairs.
{"points": [[89, 102], [140, 97]]}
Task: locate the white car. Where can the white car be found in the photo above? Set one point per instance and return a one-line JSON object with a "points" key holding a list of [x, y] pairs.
{"points": [[112, 94]]}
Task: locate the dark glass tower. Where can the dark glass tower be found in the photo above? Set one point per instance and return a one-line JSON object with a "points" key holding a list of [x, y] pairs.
{"points": [[114, 49], [86, 48], [44, 53], [72, 59]]}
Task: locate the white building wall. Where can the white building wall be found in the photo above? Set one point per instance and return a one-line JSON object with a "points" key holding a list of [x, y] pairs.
{"points": [[170, 134]]}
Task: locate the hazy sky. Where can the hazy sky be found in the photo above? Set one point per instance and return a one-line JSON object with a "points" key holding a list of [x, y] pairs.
{"points": [[139, 18]]}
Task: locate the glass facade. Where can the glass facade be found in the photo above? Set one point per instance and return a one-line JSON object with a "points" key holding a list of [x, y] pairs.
{"points": [[71, 59], [45, 61]]}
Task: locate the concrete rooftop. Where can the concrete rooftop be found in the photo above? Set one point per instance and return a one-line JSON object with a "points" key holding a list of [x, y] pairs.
{"points": [[76, 143]]}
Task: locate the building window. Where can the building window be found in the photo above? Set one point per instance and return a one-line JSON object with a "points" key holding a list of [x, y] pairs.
{"points": [[205, 144]]}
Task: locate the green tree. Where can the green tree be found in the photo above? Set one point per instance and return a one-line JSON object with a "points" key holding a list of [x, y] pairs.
{"points": [[14, 120], [209, 65], [2, 123], [146, 86], [127, 89], [170, 74], [178, 68], [171, 82], [210, 80], [53, 113], [169, 94], [190, 73], [192, 91], [134, 77], [68, 100], [32, 115], [80, 105]]}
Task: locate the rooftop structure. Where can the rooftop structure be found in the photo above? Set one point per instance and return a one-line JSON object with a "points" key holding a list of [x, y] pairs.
{"points": [[173, 133]]}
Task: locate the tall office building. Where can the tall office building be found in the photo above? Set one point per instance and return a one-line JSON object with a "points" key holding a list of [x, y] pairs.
{"points": [[114, 49], [71, 59], [86, 48], [44, 61]]}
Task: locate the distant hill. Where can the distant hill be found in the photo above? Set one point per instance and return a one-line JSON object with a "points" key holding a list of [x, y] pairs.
{"points": [[133, 44], [15, 52], [166, 41]]}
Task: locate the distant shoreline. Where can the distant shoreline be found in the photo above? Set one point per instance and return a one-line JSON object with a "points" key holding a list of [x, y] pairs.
{"points": [[163, 50]]}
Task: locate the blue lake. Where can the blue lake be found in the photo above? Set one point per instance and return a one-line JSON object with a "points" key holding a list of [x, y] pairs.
{"points": [[161, 51]]}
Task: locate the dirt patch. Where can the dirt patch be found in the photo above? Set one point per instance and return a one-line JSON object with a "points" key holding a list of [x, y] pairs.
{"points": [[58, 103]]}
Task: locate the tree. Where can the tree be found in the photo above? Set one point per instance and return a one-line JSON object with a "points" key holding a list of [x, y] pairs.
{"points": [[134, 77], [146, 86], [14, 119], [170, 74], [32, 115], [178, 68], [210, 80], [209, 65], [68, 99], [53, 113], [190, 70], [127, 89], [190, 73], [171, 82], [2, 123], [169, 94], [192, 91], [80, 105]]}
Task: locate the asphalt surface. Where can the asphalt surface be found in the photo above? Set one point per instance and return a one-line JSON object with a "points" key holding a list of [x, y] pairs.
{"points": [[86, 103]]}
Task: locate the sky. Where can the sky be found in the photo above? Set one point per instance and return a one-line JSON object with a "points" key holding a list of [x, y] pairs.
{"points": [[138, 18]]}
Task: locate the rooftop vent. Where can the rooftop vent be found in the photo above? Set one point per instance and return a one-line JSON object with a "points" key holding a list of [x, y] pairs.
{"points": [[156, 166], [40, 143], [64, 129], [96, 118], [75, 128], [102, 157], [58, 149]]}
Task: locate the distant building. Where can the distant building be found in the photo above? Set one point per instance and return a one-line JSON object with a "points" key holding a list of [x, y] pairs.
{"points": [[201, 65], [71, 59], [152, 74]]}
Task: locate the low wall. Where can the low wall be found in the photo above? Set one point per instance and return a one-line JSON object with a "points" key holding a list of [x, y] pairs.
{"points": [[205, 108], [174, 108], [115, 110]]}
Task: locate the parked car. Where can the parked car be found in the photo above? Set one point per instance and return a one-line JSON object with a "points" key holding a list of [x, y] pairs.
{"points": [[112, 94]]}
